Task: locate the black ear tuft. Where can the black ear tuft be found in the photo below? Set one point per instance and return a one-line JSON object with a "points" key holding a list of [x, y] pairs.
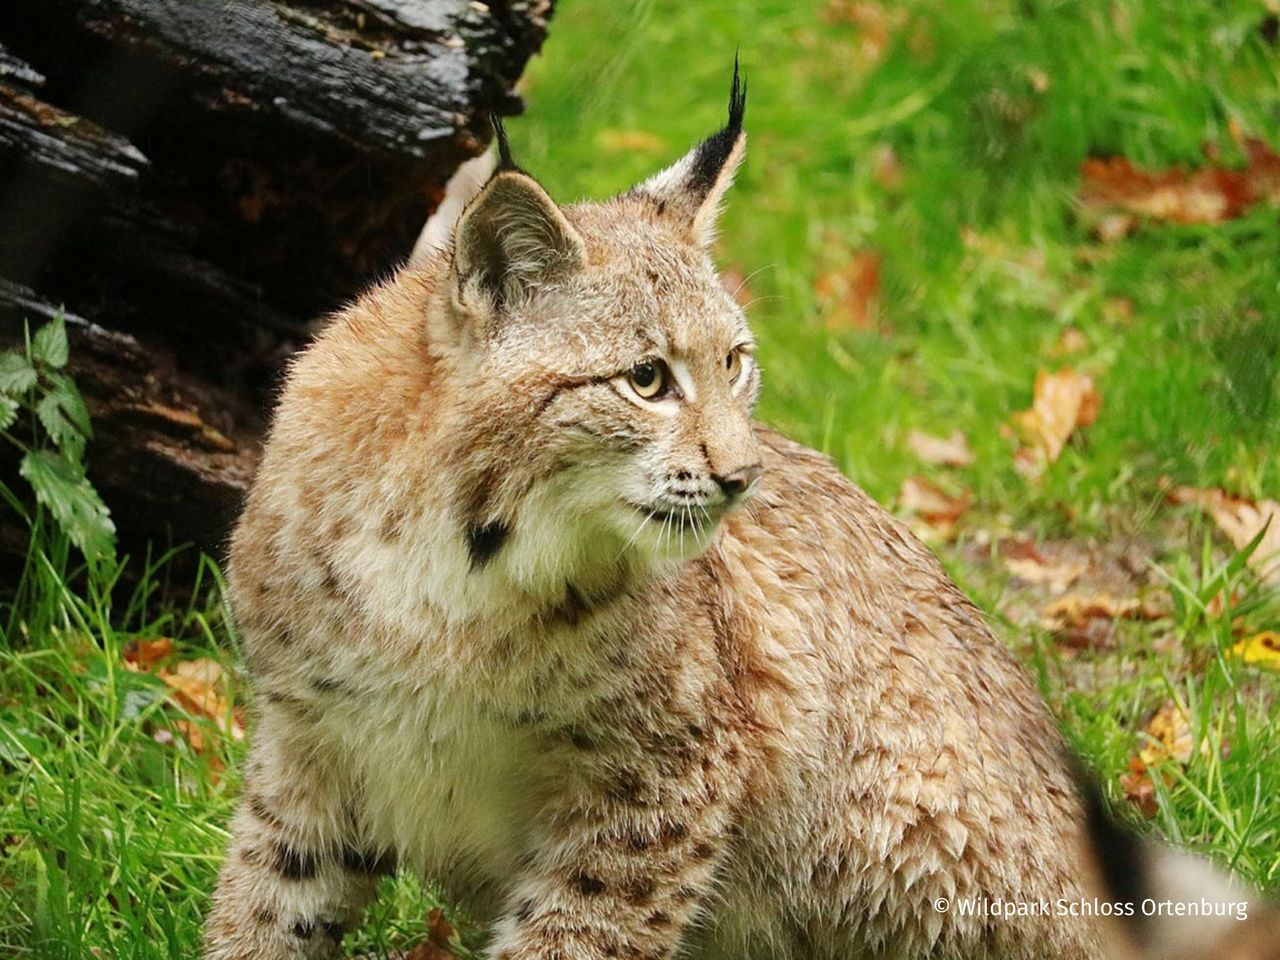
{"points": [[504, 147], [713, 153]]}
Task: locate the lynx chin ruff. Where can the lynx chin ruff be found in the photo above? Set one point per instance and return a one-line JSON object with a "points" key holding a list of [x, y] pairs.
{"points": [[535, 608]]}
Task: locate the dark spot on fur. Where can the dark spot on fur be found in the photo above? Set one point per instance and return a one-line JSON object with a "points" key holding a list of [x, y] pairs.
{"points": [[638, 842], [264, 916], [331, 685], [484, 542], [640, 892], [662, 207], [392, 527], [703, 851], [627, 787], [687, 894], [588, 885], [659, 919], [294, 864], [303, 929], [334, 931], [262, 809], [524, 910], [580, 740], [371, 864], [673, 831]]}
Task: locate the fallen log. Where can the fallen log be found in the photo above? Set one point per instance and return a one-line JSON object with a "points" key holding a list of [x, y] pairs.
{"points": [[197, 182]]}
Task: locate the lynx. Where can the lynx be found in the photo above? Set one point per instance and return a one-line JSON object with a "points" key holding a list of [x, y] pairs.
{"points": [[535, 608]]}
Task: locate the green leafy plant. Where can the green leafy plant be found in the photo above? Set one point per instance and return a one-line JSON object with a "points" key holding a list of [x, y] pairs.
{"points": [[32, 380]]}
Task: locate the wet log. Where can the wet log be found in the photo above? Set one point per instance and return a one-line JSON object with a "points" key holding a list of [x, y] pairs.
{"points": [[195, 183]]}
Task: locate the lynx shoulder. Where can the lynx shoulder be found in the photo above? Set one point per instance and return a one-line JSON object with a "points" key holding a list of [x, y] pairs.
{"points": [[534, 607]]}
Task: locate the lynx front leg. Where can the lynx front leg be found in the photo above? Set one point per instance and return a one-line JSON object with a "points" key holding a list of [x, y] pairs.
{"points": [[296, 874], [622, 871]]}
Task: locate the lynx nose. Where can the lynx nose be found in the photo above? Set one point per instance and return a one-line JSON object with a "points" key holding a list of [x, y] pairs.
{"points": [[734, 484]]}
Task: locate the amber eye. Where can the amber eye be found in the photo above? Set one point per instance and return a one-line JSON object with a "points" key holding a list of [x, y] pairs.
{"points": [[733, 363], [649, 379]]}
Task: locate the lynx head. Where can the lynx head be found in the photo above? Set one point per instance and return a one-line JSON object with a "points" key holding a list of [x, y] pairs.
{"points": [[608, 379]]}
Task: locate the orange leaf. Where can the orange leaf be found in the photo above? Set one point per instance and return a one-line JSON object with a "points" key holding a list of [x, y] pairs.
{"points": [[930, 502], [1062, 402], [953, 451], [1208, 195], [146, 653], [194, 684], [1074, 610], [1262, 648], [850, 295], [1241, 520]]}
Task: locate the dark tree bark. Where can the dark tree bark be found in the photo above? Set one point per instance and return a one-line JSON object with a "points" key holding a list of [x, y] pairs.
{"points": [[196, 182]]}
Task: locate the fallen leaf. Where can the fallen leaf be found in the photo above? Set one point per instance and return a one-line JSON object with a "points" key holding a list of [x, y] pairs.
{"points": [[1075, 610], [875, 23], [1062, 402], [850, 295], [1071, 340], [442, 938], [629, 141], [952, 451], [1169, 737], [1057, 576], [927, 500], [1262, 648], [886, 168], [1140, 790], [1211, 194], [1241, 520], [195, 686], [146, 653]]}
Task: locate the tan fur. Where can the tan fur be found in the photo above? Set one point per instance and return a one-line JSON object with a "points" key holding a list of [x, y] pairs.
{"points": [[776, 732]]}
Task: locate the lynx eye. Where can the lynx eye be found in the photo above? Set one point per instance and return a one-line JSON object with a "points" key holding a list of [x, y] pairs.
{"points": [[648, 379], [733, 363]]}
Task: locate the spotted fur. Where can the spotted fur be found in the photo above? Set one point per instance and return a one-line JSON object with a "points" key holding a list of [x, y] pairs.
{"points": [[629, 675]]}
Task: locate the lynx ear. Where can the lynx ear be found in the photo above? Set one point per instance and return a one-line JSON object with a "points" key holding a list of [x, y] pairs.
{"points": [[511, 239], [690, 190]]}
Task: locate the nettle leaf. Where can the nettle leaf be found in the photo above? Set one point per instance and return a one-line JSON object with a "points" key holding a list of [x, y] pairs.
{"points": [[17, 375], [61, 486], [49, 346], [60, 429], [70, 402], [8, 411]]}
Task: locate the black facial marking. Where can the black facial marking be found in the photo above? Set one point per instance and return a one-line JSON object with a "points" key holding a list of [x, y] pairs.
{"points": [[589, 885], [334, 931], [303, 929], [484, 542], [504, 147], [714, 151], [262, 809], [294, 864]]}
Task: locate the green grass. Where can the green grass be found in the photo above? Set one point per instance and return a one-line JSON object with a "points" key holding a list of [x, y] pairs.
{"points": [[110, 839]]}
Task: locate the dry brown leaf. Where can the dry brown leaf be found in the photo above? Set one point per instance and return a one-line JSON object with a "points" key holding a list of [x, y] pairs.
{"points": [[629, 141], [1057, 576], [1140, 790], [1070, 341], [850, 295], [144, 654], [442, 938], [1241, 520], [952, 451], [1170, 737], [927, 500], [1062, 402], [195, 686], [1208, 195], [875, 23], [1075, 610]]}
